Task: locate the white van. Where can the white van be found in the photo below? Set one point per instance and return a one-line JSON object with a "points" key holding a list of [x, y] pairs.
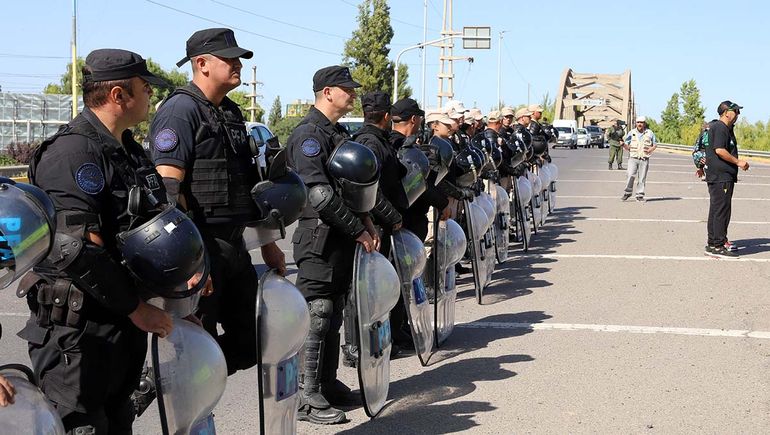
{"points": [[567, 129]]}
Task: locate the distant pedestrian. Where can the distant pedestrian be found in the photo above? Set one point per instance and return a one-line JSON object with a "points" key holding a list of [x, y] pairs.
{"points": [[641, 143], [614, 138], [722, 162]]}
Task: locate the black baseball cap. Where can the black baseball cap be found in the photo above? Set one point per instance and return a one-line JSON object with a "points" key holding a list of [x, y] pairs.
{"points": [[114, 64], [376, 101], [334, 75], [406, 108], [728, 105], [219, 42]]}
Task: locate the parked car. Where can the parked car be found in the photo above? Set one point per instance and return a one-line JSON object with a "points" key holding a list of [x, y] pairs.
{"points": [[352, 124], [567, 137], [596, 134], [583, 138], [260, 134]]}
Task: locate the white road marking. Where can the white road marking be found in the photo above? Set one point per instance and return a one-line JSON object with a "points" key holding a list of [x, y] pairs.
{"points": [[676, 221], [704, 332], [14, 314], [692, 173], [659, 198], [701, 183], [643, 257]]}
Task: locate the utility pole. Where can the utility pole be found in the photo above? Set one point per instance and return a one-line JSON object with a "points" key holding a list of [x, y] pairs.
{"points": [[74, 69], [446, 71], [499, 68], [253, 95], [424, 52]]}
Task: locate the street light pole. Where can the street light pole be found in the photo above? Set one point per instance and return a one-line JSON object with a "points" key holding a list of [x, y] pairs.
{"points": [[398, 58], [74, 72], [499, 68], [424, 59]]}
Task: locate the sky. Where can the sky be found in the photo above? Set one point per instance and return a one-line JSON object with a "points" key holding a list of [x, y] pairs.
{"points": [[724, 47]]}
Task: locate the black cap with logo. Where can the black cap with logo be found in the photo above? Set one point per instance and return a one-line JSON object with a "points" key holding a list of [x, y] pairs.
{"points": [[114, 64], [219, 42], [376, 101], [334, 75], [726, 105], [406, 108]]}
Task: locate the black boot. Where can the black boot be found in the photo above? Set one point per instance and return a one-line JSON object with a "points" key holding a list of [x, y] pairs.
{"points": [[333, 390], [313, 407], [350, 325]]}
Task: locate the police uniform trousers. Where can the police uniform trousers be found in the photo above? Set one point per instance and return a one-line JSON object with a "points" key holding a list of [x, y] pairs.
{"points": [[89, 371], [233, 302]]}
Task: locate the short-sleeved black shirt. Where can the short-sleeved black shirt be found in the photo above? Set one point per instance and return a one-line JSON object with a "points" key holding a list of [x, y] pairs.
{"points": [[718, 170]]}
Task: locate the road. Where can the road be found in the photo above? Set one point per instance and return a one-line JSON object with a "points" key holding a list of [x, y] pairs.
{"points": [[614, 322]]}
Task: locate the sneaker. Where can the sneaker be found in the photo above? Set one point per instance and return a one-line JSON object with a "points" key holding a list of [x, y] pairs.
{"points": [[625, 196], [708, 250], [640, 199], [610, 168], [721, 252], [730, 246]]}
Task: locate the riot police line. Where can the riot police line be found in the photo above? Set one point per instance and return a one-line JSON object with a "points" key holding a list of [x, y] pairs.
{"points": [[495, 182]]}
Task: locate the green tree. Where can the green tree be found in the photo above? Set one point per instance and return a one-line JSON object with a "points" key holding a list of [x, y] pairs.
{"points": [[275, 113], [549, 107], [65, 82], [284, 127], [692, 111], [240, 98], [173, 77], [367, 51], [671, 121]]}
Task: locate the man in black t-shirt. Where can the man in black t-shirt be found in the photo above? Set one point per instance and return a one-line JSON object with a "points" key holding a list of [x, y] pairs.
{"points": [[723, 163]]}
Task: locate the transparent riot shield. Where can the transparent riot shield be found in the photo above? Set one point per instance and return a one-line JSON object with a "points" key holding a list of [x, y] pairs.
{"points": [[552, 187], [502, 219], [449, 245], [31, 412], [545, 177], [476, 220], [283, 322], [409, 258], [190, 377], [521, 203], [535, 203], [27, 226], [488, 203], [376, 290]]}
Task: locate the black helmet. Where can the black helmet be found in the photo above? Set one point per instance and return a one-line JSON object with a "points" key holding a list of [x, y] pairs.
{"points": [[281, 198], [27, 228], [466, 166], [417, 171], [522, 134], [440, 154], [164, 253], [357, 172], [490, 147]]}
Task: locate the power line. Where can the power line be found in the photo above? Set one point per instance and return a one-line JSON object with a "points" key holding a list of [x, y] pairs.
{"points": [[510, 58], [31, 56], [393, 19], [246, 11], [3, 74], [242, 30]]}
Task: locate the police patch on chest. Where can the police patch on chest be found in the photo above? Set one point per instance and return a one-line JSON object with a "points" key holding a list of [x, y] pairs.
{"points": [[310, 147], [90, 178], [166, 140]]}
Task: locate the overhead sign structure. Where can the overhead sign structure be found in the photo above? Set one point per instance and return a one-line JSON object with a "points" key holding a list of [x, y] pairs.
{"points": [[477, 38]]}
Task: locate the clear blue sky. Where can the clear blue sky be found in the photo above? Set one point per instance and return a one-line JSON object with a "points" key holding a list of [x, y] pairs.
{"points": [[723, 46]]}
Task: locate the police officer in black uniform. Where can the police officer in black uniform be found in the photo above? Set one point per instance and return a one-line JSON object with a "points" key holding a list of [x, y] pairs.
{"points": [[324, 244], [200, 146], [88, 330]]}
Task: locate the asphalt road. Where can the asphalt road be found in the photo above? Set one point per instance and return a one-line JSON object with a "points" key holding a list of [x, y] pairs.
{"points": [[614, 322]]}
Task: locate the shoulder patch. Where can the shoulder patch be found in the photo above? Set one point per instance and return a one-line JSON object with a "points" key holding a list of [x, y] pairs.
{"points": [[310, 147], [90, 178], [166, 140]]}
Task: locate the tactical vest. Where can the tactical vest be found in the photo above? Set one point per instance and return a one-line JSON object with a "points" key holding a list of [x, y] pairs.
{"points": [[640, 141], [615, 134], [138, 194], [218, 187], [539, 139]]}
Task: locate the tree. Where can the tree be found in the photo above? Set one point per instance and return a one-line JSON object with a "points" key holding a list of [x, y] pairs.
{"points": [[64, 86], [240, 98], [692, 111], [284, 127], [671, 120], [549, 107], [173, 77], [275, 113], [367, 51]]}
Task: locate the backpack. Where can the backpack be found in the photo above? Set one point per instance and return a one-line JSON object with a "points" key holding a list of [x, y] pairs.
{"points": [[699, 148]]}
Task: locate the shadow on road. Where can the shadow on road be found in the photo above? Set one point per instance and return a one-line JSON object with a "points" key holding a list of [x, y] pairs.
{"points": [[663, 198], [752, 246], [415, 407]]}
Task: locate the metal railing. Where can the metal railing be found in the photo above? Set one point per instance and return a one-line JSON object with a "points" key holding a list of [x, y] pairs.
{"points": [[13, 171], [742, 152]]}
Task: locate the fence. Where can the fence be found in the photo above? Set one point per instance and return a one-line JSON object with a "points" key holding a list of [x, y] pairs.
{"points": [[741, 151], [32, 117]]}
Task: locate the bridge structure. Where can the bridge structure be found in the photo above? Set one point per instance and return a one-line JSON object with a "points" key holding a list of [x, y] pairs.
{"points": [[592, 98]]}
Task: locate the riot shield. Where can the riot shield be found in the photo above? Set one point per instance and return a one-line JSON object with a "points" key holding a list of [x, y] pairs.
{"points": [[476, 225], [376, 289], [545, 176], [190, 377], [502, 219], [27, 226], [488, 203], [552, 186], [535, 203], [449, 245], [31, 412], [521, 202], [283, 322], [409, 258]]}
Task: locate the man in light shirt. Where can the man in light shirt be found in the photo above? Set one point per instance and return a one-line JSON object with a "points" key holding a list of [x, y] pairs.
{"points": [[641, 143]]}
